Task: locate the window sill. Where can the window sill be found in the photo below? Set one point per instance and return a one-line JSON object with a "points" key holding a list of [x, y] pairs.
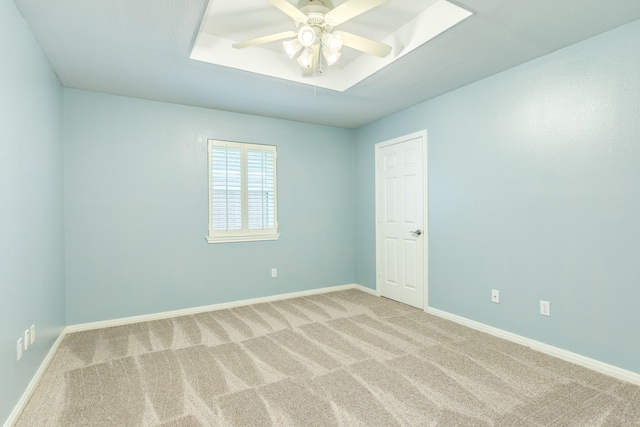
{"points": [[237, 239]]}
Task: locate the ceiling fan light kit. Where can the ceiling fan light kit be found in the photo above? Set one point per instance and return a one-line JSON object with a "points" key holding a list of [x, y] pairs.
{"points": [[306, 35], [306, 58], [332, 42], [291, 47], [331, 57], [315, 23]]}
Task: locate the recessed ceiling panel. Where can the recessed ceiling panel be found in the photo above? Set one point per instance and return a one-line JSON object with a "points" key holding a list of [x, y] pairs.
{"points": [[402, 24]]}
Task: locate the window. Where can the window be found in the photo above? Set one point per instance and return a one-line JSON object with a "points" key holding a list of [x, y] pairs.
{"points": [[242, 192]]}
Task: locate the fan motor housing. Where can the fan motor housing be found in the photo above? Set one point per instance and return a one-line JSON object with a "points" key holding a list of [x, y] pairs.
{"points": [[315, 19], [315, 11], [322, 3]]}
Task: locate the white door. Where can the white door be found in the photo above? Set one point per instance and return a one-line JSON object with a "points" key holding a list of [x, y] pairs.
{"points": [[401, 229]]}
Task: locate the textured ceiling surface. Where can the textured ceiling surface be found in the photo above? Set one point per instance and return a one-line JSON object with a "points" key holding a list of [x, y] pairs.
{"points": [[141, 49]]}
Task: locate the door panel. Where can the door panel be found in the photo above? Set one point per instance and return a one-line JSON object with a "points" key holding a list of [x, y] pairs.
{"points": [[410, 267], [391, 260], [400, 187]]}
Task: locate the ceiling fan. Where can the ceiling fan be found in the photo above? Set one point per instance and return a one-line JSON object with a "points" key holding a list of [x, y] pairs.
{"points": [[315, 24]]}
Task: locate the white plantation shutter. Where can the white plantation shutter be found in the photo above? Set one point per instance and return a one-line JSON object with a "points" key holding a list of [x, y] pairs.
{"points": [[261, 189], [242, 192], [227, 188]]}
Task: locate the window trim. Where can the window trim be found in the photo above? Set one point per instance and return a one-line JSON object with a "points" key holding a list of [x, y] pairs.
{"points": [[244, 234]]}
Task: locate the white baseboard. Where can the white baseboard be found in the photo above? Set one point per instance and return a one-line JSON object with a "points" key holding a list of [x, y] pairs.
{"points": [[205, 308], [366, 290], [596, 365], [17, 410]]}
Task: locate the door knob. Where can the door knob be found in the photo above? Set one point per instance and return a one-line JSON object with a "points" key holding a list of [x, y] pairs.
{"points": [[417, 232]]}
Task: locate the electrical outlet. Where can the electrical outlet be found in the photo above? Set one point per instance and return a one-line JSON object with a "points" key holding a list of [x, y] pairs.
{"points": [[545, 308], [19, 350], [274, 272], [27, 340], [495, 296], [33, 334]]}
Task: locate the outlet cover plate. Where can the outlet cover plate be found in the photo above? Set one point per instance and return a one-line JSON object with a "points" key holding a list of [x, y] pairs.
{"points": [[19, 350], [545, 308], [495, 296]]}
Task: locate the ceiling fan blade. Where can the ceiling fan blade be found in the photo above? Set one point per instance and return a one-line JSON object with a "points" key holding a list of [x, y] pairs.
{"points": [[265, 39], [365, 45], [350, 9], [290, 10]]}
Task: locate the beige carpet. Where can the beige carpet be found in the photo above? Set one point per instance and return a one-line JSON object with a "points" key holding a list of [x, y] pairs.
{"points": [[338, 359]]}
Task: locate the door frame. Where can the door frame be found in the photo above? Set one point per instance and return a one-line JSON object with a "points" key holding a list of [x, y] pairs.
{"points": [[422, 135]]}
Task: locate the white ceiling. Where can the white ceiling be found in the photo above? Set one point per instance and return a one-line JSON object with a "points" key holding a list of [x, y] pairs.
{"points": [[141, 49]]}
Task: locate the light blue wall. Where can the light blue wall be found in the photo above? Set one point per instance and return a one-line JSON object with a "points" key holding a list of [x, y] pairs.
{"points": [[31, 207], [136, 208], [534, 189]]}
